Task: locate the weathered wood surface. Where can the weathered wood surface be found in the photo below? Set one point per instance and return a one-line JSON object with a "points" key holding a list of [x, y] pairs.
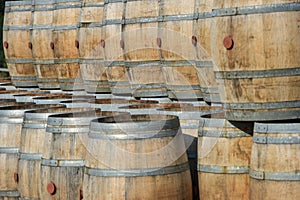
{"points": [[139, 154], [261, 42], [224, 150], [276, 162]]}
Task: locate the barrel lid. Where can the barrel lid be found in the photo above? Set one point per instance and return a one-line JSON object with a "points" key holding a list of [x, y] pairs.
{"points": [[80, 118], [40, 117]]}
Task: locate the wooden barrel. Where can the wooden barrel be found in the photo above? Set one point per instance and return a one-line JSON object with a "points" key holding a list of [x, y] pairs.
{"points": [[11, 119], [17, 44], [4, 80], [7, 84], [252, 55], [116, 103], [197, 102], [77, 103], [32, 144], [151, 159], [177, 32], [4, 101], [9, 102], [63, 156], [66, 44], [189, 118], [92, 65], [224, 149], [33, 97], [204, 63], [57, 98], [151, 108], [113, 48], [141, 53], [9, 94], [274, 167], [43, 44]]}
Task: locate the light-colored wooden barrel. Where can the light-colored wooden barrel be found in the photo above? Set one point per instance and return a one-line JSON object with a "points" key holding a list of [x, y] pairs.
{"points": [[92, 65], [17, 44], [151, 108], [204, 64], [142, 56], [189, 118], [274, 166], [57, 98], [31, 147], [197, 102], [113, 47], [66, 44], [177, 32], [5, 103], [9, 94], [32, 97], [63, 156], [5, 80], [77, 103], [257, 67], [11, 119], [123, 158], [224, 150], [114, 104], [7, 84], [43, 44]]}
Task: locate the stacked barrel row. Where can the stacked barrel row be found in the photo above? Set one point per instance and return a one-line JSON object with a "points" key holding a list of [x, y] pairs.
{"points": [[130, 45], [49, 150], [185, 50], [255, 144]]}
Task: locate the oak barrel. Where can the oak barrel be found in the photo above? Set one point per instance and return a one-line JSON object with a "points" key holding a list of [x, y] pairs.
{"points": [[66, 44], [151, 108], [177, 33], [43, 44], [57, 98], [17, 44], [32, 97], [274, 167], [224, 150], [189, 117], [32, 143], [204, 63], [257, 67], [123, 159], [77, 103], [113, 48], [11, 119], [92, 65], [139, 44], [113, 104], [9, 94], [63, 155]]}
